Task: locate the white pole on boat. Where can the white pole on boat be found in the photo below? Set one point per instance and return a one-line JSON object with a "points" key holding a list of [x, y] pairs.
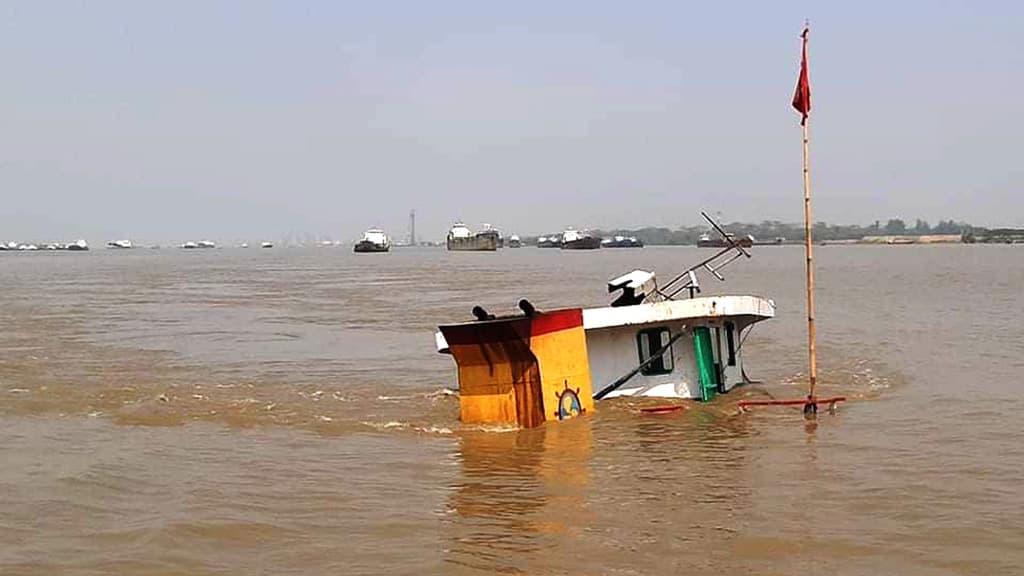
{"points": [[802, 101]]}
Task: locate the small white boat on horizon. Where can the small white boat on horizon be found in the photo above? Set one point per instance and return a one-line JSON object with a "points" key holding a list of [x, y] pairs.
{"points": [[373, 240], [120, 244]]}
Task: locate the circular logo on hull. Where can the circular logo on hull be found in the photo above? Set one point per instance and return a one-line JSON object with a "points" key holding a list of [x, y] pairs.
{"points": [[569, 405]]}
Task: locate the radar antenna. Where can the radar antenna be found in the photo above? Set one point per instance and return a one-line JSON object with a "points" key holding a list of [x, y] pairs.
{"points": [[640, 286], [687, 279]]}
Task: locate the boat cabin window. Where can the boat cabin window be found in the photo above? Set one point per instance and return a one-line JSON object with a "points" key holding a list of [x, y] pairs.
{"points": [[730, 340], [649, 342]]}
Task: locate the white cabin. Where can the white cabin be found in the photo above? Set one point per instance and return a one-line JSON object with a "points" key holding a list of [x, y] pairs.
{"points": [[376, 236], [571, 235], [459, 230], [621, 338]]}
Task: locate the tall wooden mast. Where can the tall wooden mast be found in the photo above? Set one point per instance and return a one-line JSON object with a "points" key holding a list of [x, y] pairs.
{"points": [[802, 101]]}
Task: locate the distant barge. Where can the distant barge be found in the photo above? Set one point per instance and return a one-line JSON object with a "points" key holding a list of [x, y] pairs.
{"points": [[706, 241], [575, 240], [462, 239]]}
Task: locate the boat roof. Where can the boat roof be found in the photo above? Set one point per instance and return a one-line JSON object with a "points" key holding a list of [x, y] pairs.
{"points": [[750, 307], [459, 230], [693, 308]]}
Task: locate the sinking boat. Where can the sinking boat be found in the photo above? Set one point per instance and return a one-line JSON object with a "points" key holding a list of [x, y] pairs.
{"points": [[373, 240], [573, 239], [461, 238], [656, 341]]}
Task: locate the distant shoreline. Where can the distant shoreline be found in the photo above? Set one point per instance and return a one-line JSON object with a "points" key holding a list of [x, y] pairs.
{"points": [[768, 233], [778, 233]]}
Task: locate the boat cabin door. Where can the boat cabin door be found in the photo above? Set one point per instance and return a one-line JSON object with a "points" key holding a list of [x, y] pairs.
{"points": [[727, 353]]}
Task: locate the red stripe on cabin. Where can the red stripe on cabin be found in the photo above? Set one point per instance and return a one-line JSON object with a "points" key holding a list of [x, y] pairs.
{"points": [[500, 330], [555, 321]]}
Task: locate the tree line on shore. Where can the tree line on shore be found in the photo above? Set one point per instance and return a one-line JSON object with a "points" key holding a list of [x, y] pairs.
{"points": [[777, 231]]}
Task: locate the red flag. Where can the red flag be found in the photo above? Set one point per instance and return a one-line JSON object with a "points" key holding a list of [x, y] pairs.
{"points": [[802, 97]]}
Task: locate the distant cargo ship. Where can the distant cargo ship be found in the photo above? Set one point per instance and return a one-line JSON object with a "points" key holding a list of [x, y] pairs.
{"points": [[575, 240], [622, 242], [190, 245], [706, 241], [374, 240], [553, 241], [461, 238]]}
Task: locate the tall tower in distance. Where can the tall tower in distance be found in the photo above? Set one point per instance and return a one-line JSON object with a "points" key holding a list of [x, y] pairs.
{"points": [[412, 227]]}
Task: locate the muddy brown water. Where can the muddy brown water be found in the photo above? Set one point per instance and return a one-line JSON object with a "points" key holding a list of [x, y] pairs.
{"points": [[284, 412]]}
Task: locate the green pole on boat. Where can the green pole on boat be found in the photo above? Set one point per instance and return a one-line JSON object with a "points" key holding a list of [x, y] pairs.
{"points": [[705, 357]]}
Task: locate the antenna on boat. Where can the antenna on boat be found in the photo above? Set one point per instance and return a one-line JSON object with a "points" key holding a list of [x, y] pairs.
{"points": [[687, 279], [639, 286]]}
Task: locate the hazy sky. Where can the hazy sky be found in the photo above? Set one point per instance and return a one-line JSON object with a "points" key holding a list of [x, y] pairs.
{"points": [[165, 121]]}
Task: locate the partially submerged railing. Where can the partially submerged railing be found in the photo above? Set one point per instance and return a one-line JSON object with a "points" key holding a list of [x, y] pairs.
{"points": [[640, 286], [810, 404], [687, 279]]}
